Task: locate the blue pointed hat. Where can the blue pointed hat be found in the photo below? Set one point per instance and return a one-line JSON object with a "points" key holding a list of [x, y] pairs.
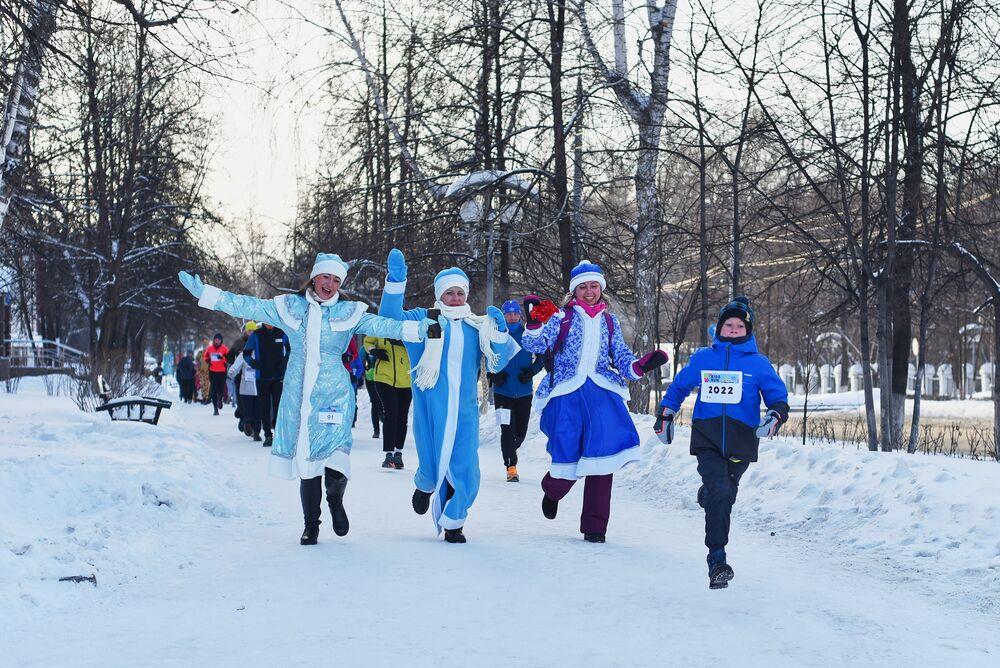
{"points": [[450, 278], [586, 271]]}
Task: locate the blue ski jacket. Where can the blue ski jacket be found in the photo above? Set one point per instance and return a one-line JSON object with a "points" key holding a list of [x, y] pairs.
{"points": [[523, 361], [728, 427]]}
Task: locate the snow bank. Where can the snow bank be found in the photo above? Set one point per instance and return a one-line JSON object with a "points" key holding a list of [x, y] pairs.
{"points": [[83, 495], [977, 409]]}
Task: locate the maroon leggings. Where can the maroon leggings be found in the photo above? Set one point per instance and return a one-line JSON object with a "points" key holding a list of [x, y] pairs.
{"points": [[596, 499]]}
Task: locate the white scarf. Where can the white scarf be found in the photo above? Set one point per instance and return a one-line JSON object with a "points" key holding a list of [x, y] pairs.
{"points": [[429, 368]]}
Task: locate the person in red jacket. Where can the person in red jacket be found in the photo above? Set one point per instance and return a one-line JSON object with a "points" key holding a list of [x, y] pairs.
{"points": [[215, 355]]}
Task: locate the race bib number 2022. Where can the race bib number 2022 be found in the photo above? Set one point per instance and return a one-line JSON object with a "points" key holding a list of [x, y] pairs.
{"points": [[721, 387]]}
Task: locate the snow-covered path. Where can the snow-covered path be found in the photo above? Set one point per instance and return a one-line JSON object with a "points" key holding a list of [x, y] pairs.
{"points": [[240, 591]]}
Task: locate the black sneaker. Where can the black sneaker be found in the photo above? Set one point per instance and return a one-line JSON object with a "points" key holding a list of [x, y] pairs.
{"points": [[549, 507], [454, 536], [594, 537], [388, 462], [421, 501], [720, 576], [397, 459], [309, 536]]}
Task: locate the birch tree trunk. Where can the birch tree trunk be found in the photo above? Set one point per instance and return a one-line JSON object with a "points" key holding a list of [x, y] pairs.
{"points": [[646, 111], [23, 96]]}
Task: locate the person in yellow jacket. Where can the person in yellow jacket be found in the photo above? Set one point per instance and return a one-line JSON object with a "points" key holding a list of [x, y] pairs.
{"points": [[392, 382]]}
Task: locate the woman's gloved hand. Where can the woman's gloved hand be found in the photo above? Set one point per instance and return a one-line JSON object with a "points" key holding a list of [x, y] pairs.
{"points": [[497, 315], [651, 360], [396, 264], [192, 283]]}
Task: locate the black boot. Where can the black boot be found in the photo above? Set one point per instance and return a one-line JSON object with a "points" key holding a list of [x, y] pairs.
{"points": [[309, 536], [421, 501], [719, 576], [594, 537], [311, 494], [336, 485], [454, 536], [397, 459], [549, 507]]}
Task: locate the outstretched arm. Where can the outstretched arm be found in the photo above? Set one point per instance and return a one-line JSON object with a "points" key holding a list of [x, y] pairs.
{"points": [[239, 306], [405, 329], [540, 340]]}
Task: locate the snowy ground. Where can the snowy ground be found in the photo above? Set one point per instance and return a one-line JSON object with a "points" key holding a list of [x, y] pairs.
{"points": [[874, 559]]}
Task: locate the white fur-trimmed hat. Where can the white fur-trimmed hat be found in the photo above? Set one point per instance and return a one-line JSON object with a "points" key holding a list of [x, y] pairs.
{"points": [[450, 278], [329, 263], [586, 271]]}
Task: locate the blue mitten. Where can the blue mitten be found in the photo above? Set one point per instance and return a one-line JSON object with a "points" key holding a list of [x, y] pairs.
{"points": [[397, 266], [497, 315], [192, 283]]}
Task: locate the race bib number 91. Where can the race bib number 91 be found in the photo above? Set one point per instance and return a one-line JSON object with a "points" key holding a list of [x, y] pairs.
{"points": [[721, 387]]}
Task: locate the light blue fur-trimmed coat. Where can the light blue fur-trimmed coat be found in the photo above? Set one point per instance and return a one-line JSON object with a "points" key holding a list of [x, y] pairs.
{"points": [[446, 416], [303, 446]]}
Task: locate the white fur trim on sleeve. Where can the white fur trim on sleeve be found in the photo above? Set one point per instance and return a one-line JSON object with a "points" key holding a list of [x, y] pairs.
{"points": [[210, 296], [411, 331], [281, 305], [394, 288]]}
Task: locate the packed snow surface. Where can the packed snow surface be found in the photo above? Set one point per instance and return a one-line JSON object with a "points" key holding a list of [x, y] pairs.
{"points": [[842, 557]]}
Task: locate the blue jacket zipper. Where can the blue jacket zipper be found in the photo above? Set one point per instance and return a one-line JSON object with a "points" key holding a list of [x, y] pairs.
{"points": [[728, 348]]}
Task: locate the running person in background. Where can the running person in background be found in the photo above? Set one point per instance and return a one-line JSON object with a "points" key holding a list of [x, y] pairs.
{"points": [[376, 403], [267, 353], [392, 383], [246, 389], [582, 400], [185, 374], [446, 401], [512, 388], [313, 435], [215, 357], [732, 379]]}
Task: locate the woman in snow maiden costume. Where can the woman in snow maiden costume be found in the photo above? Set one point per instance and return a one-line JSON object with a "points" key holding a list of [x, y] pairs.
{"points": [[445, 397], [313, 434], [582, 401], [732, 379]]}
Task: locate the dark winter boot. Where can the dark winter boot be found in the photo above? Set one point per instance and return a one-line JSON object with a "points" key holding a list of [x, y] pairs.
{"points": [[336, 485], [397, 460], [309, 536], [594, 537], [311, 494], [267, 441], [257, 438], [421, 501], [719, 576], [248, 429], [388, 463], [454, 536], [549, 507]]}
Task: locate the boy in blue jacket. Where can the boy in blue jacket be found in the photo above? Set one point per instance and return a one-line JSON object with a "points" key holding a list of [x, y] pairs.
{"points": [[732, 378], [512, 388]]}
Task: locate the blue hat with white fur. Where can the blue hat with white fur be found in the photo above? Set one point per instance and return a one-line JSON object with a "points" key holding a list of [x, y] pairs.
{"points": [[452, 277], [586, 271], [329, 263]]}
